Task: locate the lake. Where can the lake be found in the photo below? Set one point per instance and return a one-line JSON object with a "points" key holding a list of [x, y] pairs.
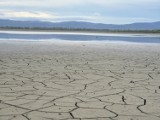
{"points": [[80, 36]]}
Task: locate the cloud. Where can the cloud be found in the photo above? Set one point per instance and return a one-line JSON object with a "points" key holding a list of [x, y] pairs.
{"points": [[21, 15], [106, 11], [24, 14], [94, 17], [66, 3], [40, 3]]}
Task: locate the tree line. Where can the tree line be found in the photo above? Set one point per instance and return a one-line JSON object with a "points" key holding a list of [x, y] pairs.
{"points": [[77, 29]]}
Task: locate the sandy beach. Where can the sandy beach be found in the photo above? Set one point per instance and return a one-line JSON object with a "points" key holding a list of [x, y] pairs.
{"points": [[79, 81]]}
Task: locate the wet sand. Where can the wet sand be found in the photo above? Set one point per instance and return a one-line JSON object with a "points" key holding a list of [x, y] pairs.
{"points": [[79, 81]]}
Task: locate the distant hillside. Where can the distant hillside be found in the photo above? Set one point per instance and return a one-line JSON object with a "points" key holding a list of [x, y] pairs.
{"points": [[79, 25]]}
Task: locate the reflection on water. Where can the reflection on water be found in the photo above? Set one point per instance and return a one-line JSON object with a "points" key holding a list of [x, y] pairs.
{"points": [[142, 38]]}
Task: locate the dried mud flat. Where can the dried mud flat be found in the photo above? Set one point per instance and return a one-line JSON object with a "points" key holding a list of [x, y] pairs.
{"points": [[79, 81]]}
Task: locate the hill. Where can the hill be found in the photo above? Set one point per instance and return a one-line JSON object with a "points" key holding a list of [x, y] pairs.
{"points": [[78, 25]]}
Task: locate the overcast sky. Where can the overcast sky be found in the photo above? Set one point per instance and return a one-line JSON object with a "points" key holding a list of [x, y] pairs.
{"points": [[99, 11]]}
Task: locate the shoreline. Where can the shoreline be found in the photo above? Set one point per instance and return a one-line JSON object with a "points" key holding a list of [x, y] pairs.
{"points": [[122, 45], [57, 41]]}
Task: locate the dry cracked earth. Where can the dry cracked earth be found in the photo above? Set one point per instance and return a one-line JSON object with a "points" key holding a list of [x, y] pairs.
{"points": [[79, 83]]}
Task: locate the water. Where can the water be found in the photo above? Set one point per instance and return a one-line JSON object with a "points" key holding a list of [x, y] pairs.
{"points": [[75, 36]]}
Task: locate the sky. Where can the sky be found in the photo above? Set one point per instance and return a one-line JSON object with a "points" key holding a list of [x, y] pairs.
{"points": [[97, 11]]}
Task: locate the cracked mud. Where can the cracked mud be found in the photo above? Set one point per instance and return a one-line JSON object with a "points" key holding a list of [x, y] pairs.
{"points": [[79, 81]]}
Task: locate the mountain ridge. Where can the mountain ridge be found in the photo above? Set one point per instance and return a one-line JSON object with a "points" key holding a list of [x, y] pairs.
{"points": [[80, 25]]}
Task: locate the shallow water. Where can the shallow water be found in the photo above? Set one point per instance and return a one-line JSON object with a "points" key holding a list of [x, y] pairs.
{"points": [[80, 36]]}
